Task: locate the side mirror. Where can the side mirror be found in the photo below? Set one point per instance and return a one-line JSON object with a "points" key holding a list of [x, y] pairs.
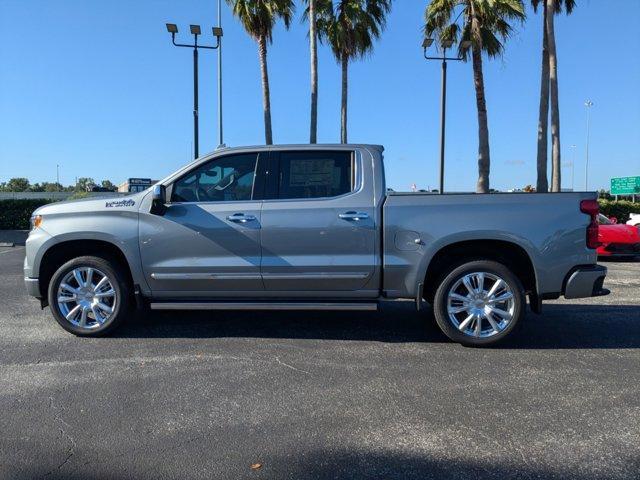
{"points": [[614, 220], [158, 200]]}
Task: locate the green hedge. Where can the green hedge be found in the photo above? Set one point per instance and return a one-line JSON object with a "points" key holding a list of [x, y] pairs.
{"points": [[15, 214], [620, 210]]}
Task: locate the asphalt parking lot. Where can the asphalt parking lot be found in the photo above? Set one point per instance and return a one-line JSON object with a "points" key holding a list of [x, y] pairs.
{"points": [[320, 395]]}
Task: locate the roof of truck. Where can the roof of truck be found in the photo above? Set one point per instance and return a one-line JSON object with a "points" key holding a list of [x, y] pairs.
{"points": [[292, 146], [299, 146]]}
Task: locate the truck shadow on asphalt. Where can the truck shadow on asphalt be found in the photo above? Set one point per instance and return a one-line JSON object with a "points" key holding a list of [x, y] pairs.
{"points": [[344, 464], [566, 326]]}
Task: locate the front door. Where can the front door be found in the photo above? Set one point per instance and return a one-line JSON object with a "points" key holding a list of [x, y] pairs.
{"points": [[318, 226], [208, 240]]}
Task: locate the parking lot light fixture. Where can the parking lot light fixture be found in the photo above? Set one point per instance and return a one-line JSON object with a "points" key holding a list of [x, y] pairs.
{"points": [[426, 43], [195, 31], [217, 32], [447, 44]]}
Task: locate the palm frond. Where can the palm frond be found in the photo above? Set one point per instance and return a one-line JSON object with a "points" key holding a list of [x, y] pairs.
{"points": [[494, 20], [568, 5], [351, 27], [258, 17]]}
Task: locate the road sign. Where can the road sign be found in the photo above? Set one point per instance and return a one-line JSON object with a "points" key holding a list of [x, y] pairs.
{"points": [[625, 186]]}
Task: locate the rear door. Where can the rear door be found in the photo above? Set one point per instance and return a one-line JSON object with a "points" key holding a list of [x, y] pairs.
{"points": [[318, 225], [208, 241]]}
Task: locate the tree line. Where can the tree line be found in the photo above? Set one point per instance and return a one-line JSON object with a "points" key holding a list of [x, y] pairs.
{"points": [[479, 27], [20, 184]]}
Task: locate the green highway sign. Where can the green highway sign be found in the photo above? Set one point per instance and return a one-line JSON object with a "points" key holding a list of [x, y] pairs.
{"points": [[625, 186]]}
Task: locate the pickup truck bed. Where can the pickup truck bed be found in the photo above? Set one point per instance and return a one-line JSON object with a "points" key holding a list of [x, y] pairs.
{"points": [[545, 229]]}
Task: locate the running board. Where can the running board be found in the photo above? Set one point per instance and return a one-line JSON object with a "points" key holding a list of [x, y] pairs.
{"points": [[262, 306]]}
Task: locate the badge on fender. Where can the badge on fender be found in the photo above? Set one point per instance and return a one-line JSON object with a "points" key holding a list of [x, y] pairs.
{"points": [[120, 203]]}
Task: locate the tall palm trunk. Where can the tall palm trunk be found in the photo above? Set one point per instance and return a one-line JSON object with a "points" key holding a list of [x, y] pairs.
{"points": [[266, 96], [313, 37], [555, 107], [484, 161], [345, 90], [542, 184]]}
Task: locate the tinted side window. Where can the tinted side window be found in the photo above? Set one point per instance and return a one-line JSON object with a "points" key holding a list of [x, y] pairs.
{"points": [[315, 174], [222, 179]]}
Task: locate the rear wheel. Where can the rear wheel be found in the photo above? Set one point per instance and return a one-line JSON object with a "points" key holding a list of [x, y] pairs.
{"points": [[479, 303], [89, 296]]}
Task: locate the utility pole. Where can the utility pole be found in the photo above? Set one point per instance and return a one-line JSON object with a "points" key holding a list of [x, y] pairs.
{"points": [[573, 166]]}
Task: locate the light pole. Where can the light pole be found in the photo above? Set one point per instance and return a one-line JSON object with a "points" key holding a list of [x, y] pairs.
{"points": [[443, 96], [195, 31], [587, 104], [220, 137]]}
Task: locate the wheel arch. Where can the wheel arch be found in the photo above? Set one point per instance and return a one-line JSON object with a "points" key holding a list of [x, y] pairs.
{"points": [[512, 255], [60, 253]]}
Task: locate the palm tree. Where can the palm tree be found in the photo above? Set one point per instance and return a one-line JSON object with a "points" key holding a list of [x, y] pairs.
{"points": [[485, 26], [258, 17], [542, 184], [555, 6], [547, 61], [350, 28], [313, 47]]}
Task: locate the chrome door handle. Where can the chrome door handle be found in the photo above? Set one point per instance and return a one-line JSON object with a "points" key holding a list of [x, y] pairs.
{"points": [[353, 216], [241, 218]]}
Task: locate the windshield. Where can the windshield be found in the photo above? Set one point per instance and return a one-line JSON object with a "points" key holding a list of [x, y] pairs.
{"points": [[602, 220]]}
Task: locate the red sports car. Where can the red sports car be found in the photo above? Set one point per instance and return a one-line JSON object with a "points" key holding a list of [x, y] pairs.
{"points": [[617, 239]]}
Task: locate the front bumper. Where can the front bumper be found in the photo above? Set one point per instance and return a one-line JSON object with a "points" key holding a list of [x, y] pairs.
{"points": [[586, 281]]}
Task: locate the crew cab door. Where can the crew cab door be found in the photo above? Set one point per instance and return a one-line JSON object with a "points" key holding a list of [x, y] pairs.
{"points": [[318, 225], [208, 240]]}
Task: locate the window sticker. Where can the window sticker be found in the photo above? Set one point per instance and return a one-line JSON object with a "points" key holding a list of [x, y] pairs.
{"points": [[309, 173]]}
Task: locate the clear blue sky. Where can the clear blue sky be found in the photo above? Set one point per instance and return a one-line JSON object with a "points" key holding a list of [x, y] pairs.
{"points": [[97, 87]]}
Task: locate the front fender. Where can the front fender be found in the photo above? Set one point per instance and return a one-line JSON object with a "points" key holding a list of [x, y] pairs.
{"points": [[118, 229]]}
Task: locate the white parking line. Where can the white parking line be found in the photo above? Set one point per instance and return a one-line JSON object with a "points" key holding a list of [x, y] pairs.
{"points": [[12, 249]]}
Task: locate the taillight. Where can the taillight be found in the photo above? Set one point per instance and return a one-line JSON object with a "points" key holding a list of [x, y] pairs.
{"points": [[591, 208]]}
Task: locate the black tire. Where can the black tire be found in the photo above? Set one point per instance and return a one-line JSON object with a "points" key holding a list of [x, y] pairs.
{"points": [[451, 279], [122, 302]]}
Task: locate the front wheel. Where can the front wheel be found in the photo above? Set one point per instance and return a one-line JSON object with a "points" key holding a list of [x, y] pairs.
{"points": [[89, 296], [479, 303]]}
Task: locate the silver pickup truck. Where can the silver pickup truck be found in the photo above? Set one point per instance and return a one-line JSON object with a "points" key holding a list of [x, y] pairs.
{"points": [[311, 227]]}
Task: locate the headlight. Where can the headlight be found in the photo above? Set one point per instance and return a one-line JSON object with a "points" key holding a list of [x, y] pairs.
{"points": [[36, 221]]}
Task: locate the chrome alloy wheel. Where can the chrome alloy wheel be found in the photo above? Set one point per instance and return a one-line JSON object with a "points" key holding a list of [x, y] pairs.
{"points": [[86, 297], [480, 304]]}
